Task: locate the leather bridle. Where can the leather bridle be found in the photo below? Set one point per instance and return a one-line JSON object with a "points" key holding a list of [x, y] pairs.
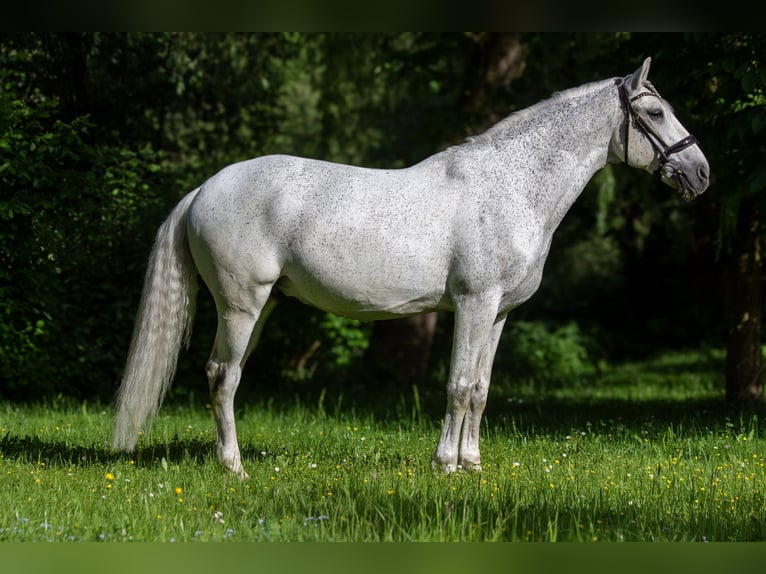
{"points": [[666, 168]]}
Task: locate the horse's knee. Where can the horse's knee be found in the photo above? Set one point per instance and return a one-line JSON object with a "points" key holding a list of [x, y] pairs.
{"points": [[459, 392], [479, 393]]}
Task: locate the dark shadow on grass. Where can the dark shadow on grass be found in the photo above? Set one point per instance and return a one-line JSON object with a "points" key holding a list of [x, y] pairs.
{"points": [[33, 449], [540, 408], [543, 413], [53, 453], [551, 416], [194, 450]]}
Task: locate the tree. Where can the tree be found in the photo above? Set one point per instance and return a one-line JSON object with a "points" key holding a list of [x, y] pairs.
{"points": [[720, 93], [67, 207], [738, 81], [100, 134], [725, 82], [91, 159]]}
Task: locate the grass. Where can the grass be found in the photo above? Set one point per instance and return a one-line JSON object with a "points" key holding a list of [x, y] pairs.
{"points": [[643, 452]]}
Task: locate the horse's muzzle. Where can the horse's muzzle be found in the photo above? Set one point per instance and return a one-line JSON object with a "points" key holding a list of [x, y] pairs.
{"points": [[689, 185]]}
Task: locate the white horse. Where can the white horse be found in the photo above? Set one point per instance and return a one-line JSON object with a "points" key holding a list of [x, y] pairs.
{"points": [[466, 230]]}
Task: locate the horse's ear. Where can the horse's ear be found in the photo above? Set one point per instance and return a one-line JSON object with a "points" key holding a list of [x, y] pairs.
{"points": [[638, 77]]}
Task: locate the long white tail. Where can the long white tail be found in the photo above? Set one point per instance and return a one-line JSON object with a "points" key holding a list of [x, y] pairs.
{"points": [[163, 325]]}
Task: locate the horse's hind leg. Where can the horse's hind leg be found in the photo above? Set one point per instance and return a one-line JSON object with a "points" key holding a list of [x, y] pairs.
{"points": [[238, 332]]}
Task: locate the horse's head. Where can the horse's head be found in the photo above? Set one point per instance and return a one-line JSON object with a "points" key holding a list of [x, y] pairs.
{"points": [[652, 138]]}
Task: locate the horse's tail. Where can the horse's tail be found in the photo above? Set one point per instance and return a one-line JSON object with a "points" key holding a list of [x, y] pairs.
{"points": [[163, 325]]}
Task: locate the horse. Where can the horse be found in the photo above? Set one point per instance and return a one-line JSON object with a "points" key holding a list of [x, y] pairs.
{"points": [[466, 231]]}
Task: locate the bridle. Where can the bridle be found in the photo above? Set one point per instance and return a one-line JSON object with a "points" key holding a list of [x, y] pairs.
{"points": [[666, 168]]}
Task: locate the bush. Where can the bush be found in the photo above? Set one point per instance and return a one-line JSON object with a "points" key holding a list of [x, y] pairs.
{"points": [[534, 352], [71, 211]]}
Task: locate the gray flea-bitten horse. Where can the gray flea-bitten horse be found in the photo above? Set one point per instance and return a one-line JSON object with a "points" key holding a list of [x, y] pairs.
{"points": [[466, 230]]}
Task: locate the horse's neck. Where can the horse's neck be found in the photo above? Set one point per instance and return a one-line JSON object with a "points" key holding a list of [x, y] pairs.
{"points": [[549, 152]]}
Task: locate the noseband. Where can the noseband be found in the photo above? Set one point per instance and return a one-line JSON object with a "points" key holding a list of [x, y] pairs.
{"points": [[666, 168]]}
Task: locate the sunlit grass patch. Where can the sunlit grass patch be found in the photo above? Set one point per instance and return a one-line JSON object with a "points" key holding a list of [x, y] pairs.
{"points": [[587, 467]]}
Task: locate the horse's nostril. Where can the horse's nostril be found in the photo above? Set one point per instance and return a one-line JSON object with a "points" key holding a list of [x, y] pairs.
{"points": [[703, 172]]}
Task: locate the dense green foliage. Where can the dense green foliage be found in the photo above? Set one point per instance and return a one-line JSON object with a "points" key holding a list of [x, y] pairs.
{"points": [[100, 134], [648, 453]]}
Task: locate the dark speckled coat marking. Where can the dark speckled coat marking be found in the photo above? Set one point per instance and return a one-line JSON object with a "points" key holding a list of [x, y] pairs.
{"points": [[466, 230]]}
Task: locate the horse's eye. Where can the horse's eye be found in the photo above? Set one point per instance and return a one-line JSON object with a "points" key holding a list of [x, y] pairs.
{"points": [[656, 113]]}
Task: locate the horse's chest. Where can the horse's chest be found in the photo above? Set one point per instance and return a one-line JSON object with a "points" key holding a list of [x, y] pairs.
{"points": [[519, 276], [520, 286]]}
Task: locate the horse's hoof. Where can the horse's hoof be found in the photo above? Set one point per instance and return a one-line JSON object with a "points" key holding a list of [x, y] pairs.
{"points": [[237, 470], [446, 468]]}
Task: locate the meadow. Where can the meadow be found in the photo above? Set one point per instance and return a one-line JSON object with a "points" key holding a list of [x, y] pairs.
{"points": [[643, 451]]}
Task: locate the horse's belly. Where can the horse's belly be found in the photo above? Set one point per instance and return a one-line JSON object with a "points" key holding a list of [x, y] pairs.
{"points": [[367, 300]]}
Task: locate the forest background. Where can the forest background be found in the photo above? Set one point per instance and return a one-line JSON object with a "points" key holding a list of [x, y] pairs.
{"points": [[102, 133]]}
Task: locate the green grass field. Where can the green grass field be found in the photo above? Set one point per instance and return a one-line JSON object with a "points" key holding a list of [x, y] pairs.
{"points": [[642, 452]]}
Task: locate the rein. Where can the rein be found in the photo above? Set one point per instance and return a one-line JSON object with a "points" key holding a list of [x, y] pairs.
{"points": [[665, 169]]}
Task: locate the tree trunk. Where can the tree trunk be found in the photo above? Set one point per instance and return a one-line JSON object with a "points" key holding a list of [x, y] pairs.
{"points": [[744, 371], [399, 350], [498, 58]]}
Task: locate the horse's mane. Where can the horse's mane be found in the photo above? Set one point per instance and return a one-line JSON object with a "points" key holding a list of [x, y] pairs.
{"points": [[522, 115]]}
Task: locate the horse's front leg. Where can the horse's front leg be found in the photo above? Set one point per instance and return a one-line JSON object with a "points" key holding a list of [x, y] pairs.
{"points": [[469, 457], [474, 320]]}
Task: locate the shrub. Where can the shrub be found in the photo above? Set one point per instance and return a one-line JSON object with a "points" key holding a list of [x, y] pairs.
{"points": [[532, 351]]}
